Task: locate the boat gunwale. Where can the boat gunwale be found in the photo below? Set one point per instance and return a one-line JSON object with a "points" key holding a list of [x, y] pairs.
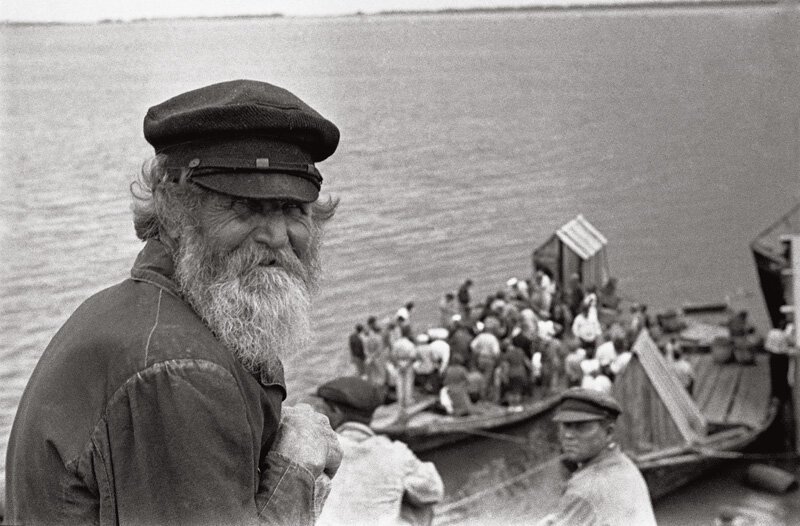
{"points": [[472, 422]]}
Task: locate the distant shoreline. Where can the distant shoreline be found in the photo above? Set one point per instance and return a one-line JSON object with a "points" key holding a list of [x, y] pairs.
{"points": [[555, 6]]}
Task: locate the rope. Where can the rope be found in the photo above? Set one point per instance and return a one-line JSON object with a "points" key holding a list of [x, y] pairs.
{"points": [[731, 455], [736, 455]]}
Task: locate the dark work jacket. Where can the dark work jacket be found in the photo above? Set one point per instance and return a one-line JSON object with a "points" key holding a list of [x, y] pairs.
{"points": [[137, 414]]}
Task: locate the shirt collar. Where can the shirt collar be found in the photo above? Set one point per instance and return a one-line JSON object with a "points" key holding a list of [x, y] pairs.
{"points": [[604, 453], [355, 430]]}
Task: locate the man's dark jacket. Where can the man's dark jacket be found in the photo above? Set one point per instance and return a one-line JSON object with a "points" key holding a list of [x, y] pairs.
{"points": [[137, 414]]}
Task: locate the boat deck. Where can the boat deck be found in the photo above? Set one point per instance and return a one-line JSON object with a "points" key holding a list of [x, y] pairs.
{"points": [[732, 393]]}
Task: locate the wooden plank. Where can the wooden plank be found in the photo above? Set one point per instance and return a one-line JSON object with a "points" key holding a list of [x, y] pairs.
{"points": [[706, 375], [386, 415], [716, 410], [752, 400], [646, 423], [712, 377], [632, 391], [682, 409], [700, 363]]}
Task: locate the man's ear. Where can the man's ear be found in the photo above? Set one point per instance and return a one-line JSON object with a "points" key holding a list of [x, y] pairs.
{"points": [[611, 428]]}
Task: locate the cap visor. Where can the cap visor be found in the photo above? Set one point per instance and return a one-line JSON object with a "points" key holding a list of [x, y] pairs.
{"points": [[260, 185], [576, 416]]}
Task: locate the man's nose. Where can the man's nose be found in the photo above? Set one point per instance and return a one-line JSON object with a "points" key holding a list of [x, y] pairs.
{"points": [[271, 229]]}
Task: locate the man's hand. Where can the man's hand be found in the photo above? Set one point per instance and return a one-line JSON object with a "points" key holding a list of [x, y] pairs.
{"points": [[305, 436]]}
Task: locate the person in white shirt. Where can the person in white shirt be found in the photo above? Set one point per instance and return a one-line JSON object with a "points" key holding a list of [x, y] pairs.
{"points": [[586, 327], [380, 481], [441, 351]]}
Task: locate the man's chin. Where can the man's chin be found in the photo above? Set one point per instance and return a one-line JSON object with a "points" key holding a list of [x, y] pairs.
{"points": [[571, 454]]}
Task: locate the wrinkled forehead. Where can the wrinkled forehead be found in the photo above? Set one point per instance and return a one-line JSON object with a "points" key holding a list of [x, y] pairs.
{"points": [[214, 198]]}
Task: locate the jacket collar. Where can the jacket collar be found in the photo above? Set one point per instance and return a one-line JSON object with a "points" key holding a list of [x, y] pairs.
{"points": [[606, 452], [155, 265], [355, 430]]}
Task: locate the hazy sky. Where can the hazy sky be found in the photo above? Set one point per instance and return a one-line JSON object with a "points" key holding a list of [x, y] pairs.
{"points": [[92, 10]]}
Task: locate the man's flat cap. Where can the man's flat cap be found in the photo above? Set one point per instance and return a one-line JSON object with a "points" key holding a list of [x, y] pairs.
{"points": [[353, 394], [244, 138], [579, 405]]}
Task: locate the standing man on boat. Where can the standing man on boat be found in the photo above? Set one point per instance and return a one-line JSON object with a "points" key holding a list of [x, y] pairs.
{"points": [[356, 343], [160, 400], [604, 485], [464, 298]]}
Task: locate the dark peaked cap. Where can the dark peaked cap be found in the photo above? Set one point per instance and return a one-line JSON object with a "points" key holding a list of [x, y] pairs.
{"points": [[578, 404], [244, 138], [359, 397]]}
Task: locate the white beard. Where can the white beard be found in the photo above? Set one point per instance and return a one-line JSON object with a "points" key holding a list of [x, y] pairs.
{"points": [[262, 314]]}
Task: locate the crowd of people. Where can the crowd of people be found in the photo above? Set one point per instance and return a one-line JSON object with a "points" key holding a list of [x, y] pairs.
{"points": [[529, 339]]}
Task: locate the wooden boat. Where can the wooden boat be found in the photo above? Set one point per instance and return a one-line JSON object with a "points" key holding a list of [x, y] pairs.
{"points": [[503, 467], [426, 430], [671, 436], [575, 248], [674, 437]]}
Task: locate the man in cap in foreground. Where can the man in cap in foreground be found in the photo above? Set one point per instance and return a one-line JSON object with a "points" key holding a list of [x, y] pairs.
{"points": [[380, 481], [604, 487], [159, 400]]}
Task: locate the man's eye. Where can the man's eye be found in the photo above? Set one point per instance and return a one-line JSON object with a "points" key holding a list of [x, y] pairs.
{"points": [[245, 206], [296, 208]]}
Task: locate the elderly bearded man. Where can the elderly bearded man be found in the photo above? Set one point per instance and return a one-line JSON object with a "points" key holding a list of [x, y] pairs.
{"points": [[604, 486], [159, 400]]}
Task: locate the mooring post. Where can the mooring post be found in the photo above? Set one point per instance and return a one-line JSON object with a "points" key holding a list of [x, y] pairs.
{"points": [[795, 266]]}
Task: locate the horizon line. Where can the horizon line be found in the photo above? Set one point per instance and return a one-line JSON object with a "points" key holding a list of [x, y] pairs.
{"points": [[548, 5]]}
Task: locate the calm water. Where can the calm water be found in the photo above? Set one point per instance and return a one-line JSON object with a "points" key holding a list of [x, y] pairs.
{"points": [[466, 140]]}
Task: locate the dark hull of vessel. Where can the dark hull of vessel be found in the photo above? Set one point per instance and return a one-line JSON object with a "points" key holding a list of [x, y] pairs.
{"points": [[771, 258], [446, 431], [671, 472]]}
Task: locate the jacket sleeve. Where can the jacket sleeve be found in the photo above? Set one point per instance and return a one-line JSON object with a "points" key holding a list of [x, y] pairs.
{"points": [[182, 450], [422, 483], [573, 510], [286, 494]]}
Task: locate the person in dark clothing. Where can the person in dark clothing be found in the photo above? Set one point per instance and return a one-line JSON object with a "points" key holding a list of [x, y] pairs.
{"points": [[459, 341], [160, 400], [464, 298], [516, 373], [574, 294], [607, 295], [356, 344], [523, 340]]}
